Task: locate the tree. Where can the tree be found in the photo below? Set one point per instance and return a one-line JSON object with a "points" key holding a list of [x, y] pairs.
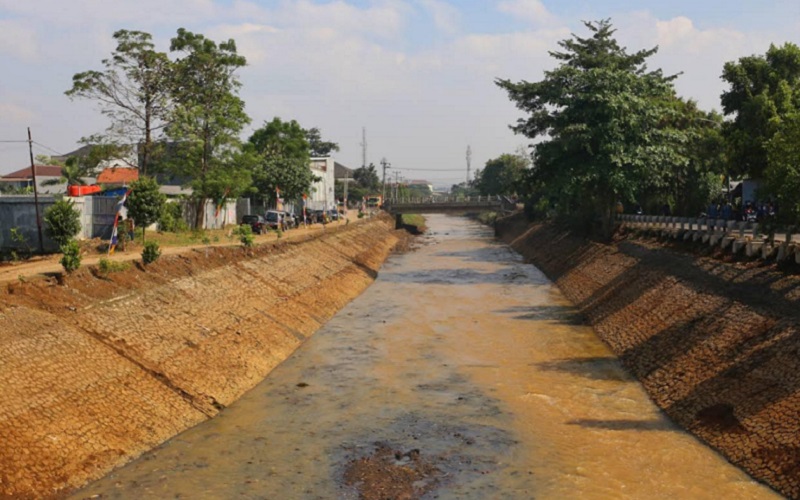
{"points": [[502, 175], [317, 147], [133, 90], [367, 177], [782, 175], [281, 155], [145, 202], [763, 91], [72, 173], [207, 118], [605, 124], [62, 221]]}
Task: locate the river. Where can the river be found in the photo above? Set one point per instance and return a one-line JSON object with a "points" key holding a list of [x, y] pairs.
{"points": [[465, 358]]}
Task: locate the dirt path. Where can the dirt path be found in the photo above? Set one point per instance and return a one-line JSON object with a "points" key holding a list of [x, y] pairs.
{"points": [[49, 264]]}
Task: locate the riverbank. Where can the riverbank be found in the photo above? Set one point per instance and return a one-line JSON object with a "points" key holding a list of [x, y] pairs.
{"points": [[715, 344], [99, 369]]}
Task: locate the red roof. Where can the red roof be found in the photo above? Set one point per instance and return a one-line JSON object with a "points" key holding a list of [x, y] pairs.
{"points": [[118, 175], [42, 170]]}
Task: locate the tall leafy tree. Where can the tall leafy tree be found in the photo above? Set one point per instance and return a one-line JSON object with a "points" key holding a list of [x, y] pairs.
{"points": [[317, 147], [133, 90], [207, 118], [782, 175], [601, 117], [502, 175], [367, 177], [762, 91], [281, 159]]}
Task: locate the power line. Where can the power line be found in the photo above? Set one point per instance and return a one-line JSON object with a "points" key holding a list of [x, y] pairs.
{"points": [[48, 148], [11, 141]]}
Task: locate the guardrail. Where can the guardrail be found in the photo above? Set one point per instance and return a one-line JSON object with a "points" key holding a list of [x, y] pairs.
{"points": [[727, 234]]}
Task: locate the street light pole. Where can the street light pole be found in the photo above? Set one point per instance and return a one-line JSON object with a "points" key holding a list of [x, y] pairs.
{"points": [[385, 165]]}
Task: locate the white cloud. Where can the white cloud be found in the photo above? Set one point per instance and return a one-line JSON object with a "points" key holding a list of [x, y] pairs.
{"points": [[532, 11], [446, 17]]}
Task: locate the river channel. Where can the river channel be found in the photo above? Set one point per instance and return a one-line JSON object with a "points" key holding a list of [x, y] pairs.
{"points": [[463, 352]]}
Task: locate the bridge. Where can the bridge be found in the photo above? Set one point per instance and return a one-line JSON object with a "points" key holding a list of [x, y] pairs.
{"points": [[461, 204]]}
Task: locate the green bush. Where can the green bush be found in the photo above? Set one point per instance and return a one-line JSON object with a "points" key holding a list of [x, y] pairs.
{"points": [[151, 252], [71, 260], [62, 222], [106, 266], [245, 234], [171, 219]]}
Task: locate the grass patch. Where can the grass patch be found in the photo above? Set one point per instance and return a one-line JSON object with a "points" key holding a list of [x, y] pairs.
{"points": [[415, 220]]}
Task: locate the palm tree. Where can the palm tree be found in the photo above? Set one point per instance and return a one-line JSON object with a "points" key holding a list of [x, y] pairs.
{"points": [[72, 172]]}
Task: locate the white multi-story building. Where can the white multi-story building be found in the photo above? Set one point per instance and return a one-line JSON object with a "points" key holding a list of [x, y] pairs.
{"points": [[322, 196]]}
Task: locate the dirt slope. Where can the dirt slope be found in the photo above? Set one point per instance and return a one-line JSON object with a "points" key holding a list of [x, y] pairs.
{"points": [[98, 370], [716, 345]]}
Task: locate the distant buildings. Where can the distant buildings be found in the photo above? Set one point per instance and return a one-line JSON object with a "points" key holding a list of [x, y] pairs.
{"points": [[23, 179]]}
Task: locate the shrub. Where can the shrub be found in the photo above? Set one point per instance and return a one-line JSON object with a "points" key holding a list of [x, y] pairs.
{"points": [[245, 234], [151, 252], [71, 260], [106, 266], [171, 219], [62, 222]]}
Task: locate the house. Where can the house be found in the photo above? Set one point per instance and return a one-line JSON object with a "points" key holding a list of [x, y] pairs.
{"points": [[321, 196], [22, 179], [118, 175]]}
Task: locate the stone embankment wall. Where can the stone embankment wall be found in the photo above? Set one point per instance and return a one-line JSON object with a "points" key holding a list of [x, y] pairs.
{"points": [[97, 370], [716, 344]]}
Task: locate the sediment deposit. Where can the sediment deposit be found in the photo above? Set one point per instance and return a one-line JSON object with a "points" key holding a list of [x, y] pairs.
{"points": [[716, 344], [98, 369]]}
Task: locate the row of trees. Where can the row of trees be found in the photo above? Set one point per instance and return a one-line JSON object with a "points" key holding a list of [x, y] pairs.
{"points": [[185, 116], [609, 130]]}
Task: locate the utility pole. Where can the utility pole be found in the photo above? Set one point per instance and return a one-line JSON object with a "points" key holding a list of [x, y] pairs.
{"points": [[346, 181], [385, 165], [469, 162], [35, 193], [363, 147], [396, 184]]}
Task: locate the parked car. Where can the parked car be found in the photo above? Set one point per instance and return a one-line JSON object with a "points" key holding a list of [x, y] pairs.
{"points": [[257, 223], [333, 215], [291, 220], [273, 218]]}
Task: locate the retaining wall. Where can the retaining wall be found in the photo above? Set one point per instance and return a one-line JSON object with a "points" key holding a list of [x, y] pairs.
{"points": [[715, 344], [98, 370]]}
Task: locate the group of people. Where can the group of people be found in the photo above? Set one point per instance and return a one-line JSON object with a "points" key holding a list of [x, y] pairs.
{"points": [[750, 212]]}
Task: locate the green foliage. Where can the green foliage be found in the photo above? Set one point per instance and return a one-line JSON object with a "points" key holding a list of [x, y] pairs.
{"points": [[245, 234], [133, 89], [606, 126], [72, 173], [367, 178], [71, 258], [487, 218], [21, 241], [281, 158], [106, 266], [782, 176], [503, 175], [171, 219], [62, 221], [207, 118], [145, 202], [764, 90], [151, 252], [316, 146]]}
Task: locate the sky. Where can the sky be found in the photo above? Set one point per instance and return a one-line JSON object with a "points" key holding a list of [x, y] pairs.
{"points": [[417, 75]]}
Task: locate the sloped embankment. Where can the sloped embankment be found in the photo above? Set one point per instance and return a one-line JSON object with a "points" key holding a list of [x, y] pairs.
{"points": [[99, 370], [715, 344]]}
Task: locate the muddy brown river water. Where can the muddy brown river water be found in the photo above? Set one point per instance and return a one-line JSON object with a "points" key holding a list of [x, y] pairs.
{"points": [[465, 353]]}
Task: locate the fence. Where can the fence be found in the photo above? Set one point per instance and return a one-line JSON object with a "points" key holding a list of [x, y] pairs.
{"points": [[732, 235]]}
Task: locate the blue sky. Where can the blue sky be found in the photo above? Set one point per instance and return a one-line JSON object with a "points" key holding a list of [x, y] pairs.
{"points": [[418, 74]]}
